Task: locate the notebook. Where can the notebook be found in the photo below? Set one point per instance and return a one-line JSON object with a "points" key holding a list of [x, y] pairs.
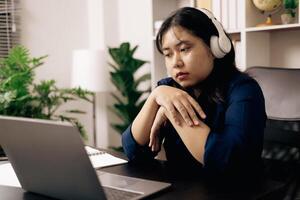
{"points": [[100, 159]]}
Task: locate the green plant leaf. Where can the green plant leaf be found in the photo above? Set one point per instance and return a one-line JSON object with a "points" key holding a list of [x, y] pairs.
{"points": [[290, 4], [113, 66], [133, 51], [75, 111], [141, 79], [19, 96], [123, 80], [128, 98], [116, 98], [120, 128], [133, 96]]}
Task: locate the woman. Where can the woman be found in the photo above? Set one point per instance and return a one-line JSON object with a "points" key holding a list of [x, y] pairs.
{"points": [[210, 115]]}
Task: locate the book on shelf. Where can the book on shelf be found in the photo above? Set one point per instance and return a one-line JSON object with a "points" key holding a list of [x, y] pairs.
{"points": [[229, 13], [204, 4], [232, 13], [216, 9], [239, 14]]}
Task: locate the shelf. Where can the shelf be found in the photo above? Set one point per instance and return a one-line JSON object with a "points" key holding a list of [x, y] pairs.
{"points": [[273, 27], [233, 31]]}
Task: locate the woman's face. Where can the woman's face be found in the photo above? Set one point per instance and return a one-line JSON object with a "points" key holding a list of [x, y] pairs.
{"points": [[188, 59]]}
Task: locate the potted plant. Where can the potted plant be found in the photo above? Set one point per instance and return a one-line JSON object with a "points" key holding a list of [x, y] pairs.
{"points": [[21, 96], [129, 99], [289, 15]]}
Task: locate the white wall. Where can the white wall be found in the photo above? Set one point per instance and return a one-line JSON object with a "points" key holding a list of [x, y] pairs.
{"points": [[289, 55], [134, 26], [56, 27]]}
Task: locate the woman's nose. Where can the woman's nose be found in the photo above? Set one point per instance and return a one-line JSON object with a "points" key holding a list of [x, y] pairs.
{"points": [[177, 62]]}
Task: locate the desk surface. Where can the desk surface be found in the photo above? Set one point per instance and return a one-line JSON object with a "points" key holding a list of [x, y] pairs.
{"points": [[182, 188]]}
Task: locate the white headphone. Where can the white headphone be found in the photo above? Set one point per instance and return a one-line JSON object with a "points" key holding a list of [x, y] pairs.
{"points": [[221, 45]]}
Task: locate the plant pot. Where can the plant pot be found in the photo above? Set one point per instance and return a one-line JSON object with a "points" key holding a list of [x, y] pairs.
{"points": [[287, 18]]}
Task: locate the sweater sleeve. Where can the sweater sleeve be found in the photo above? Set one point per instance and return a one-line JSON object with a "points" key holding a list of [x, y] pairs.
{"points": [[237, 144], [133, 150]]}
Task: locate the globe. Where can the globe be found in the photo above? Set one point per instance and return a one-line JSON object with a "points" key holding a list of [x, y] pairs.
{"points": [[267, 5], [270, 6]]}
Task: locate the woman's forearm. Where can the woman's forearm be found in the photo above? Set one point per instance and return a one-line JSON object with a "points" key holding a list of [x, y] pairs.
{"points": [[194, 137], [142, 124]]}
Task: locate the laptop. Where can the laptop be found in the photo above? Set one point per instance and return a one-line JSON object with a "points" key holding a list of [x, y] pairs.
{"points": [[49, 158]]}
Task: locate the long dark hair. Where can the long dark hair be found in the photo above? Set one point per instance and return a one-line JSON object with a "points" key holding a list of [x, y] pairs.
{"points": [[198, 24]]}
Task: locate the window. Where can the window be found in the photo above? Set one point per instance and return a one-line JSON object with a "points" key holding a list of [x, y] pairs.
{"points": [[9, 25]]}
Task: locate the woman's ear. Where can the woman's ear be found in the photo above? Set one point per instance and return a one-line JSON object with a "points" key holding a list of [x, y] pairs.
{"points": [[210, 54]]}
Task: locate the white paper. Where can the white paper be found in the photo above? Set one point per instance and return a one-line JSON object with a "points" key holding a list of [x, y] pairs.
{"points": [[8, 176], [103, 159], [91, 150]]}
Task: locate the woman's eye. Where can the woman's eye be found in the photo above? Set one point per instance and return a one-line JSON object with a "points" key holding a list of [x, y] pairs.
{"points": [[184, 49], [167, 55]]}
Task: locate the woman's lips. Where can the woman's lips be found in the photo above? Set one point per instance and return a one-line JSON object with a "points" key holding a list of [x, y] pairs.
{"points": [[182, 75]]}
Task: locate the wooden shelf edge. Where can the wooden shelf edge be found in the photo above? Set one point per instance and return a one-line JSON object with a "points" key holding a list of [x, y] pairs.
{"points": [[273, 27]]}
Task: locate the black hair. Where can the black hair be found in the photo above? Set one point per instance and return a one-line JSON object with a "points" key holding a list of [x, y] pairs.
{"points": [[198, 24]]}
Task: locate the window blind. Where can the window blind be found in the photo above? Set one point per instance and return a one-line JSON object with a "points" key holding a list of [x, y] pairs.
{"points": [[9, 25]]}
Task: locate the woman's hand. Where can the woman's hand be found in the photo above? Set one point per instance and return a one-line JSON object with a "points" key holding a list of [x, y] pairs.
{"points": [[159, 121], [177, 101]]}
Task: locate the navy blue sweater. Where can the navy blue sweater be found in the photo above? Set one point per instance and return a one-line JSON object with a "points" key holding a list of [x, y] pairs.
{"points": [[235, 142]]}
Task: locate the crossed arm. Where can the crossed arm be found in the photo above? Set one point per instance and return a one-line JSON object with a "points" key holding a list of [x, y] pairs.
{"points": [[180, 109]]}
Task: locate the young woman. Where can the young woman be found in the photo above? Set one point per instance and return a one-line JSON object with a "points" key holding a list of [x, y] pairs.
{"points": [[210, 116]]}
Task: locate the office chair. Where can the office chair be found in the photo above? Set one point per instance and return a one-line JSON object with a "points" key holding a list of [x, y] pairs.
{"points": [[281, 89]]}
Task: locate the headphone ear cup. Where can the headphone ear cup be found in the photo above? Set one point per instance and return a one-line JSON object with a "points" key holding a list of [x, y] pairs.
{"points": [[223, 40], [215, 48], [224, 43]]}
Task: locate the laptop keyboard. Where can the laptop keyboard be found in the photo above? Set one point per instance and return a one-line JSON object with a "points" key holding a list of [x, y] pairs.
{"points": [[115, 194]]}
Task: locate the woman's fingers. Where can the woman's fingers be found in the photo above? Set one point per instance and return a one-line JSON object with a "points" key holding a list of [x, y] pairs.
{"points": [[187, 108], [191, 112], [197, 107], [153, 146], [151, 141], [152, 136], [183, 112], [154, 143], [154, 132], [171, 109], [179, 104]]}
